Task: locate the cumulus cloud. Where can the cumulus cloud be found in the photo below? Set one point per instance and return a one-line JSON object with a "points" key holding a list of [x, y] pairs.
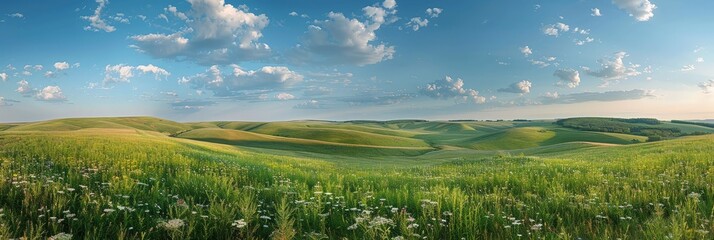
{"points": [[700, 59], [16, 15], [521, 87], [434, 12], [122, 73], [157, 71], [96, 23], [707, 86], [284, 96], [61, 66], [416, 23], [595, 12], [341, 40], [556, 29], [610, 96], [3, 76], [50, 74], [448, 88], [527, 51], [118, 73], [23, 87], [567, 77], [235, 83], [642, 10], [215, 33], [389, 4], [615, 68], [51, 94]]}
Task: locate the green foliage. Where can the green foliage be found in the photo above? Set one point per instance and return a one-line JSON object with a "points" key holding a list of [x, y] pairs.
{"points": [[704, 124], [639, 126], [134, 184]]}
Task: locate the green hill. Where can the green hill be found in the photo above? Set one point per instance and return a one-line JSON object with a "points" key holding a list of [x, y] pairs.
{"points": [[528, 137], [257, 140], [71, 124]]}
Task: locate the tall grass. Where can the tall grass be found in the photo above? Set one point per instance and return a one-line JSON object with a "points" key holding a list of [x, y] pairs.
{"points": [[144, 186]]}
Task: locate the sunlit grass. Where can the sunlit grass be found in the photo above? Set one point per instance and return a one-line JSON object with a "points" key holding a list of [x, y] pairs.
{"points": [[128, 184]]}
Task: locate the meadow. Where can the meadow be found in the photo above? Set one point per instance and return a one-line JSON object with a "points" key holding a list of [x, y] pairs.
{"points": [[148, 178]]}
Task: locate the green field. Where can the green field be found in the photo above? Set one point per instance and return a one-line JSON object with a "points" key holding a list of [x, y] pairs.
{"points": [[149, 178]]}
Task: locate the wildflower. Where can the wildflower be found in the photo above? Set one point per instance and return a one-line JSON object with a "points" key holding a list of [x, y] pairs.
{"points": [[108, 210], [240, 223], [173, 224], [61, 236], [536, 227], [394, 210], [380, 221], [694, 195]]}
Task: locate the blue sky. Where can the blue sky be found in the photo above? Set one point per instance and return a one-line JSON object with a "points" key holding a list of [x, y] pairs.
{"points": [[280, 60]]}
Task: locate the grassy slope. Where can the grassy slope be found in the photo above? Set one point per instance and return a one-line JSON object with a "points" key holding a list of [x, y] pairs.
{"points": [[528, 137], [70, 124], [566, 190], [250, 139]]}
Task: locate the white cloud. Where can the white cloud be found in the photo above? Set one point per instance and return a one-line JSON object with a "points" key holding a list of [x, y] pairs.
{"points": [[552, 95], [51, 94], [556, 29], [434, 12], [175, 12], [700, 60], [96, 23], [389, 4], [341, 40], [539, 63], [527, 51], [449, 88], [583, 42], [707, 86], [595, 12], [50, 74], [567, 77], [16, 15], [294, 14], [157, 71], [215, 33], [688, 68], [417, 22], [61, 66], [123, 73], [23, 87], [642, 10], [3, 76], [615, 68], [521, 87], [234, 84], [163, 16], [284, 96], [118, 73]]}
